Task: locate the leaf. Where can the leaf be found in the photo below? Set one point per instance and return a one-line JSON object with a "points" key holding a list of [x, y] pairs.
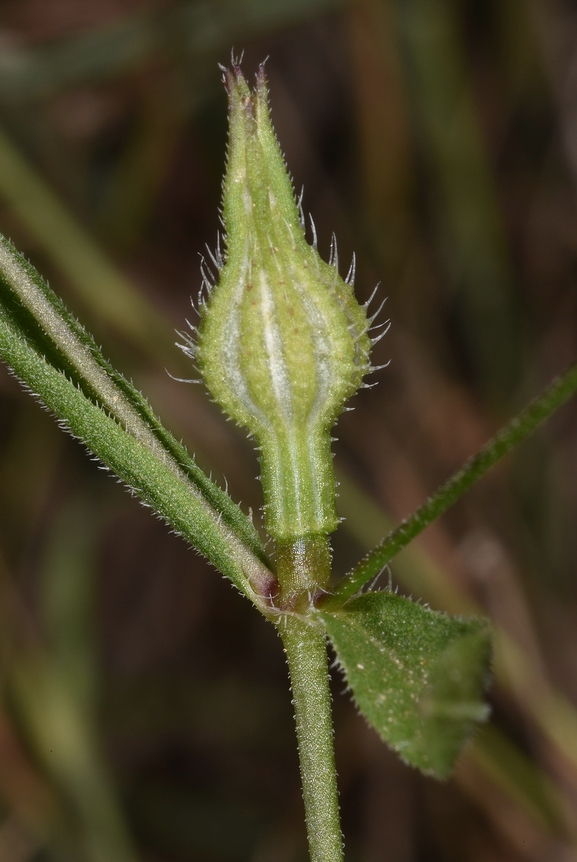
{"points": [[417, 676], [514, 432], [60, 363]]}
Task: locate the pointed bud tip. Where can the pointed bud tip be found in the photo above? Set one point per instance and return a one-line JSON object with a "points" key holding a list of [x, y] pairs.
{"points": [[261, 74], [234, 79]]}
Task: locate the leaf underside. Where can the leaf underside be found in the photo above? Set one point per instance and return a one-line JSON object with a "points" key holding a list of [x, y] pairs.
{"points": [[418, 676]]}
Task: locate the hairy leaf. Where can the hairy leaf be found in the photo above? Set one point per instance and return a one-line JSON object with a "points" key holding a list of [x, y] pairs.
{"points": [[418, 676], [56, 358]]}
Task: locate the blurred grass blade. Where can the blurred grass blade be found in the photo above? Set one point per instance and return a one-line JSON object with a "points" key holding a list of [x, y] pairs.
{"points": [[417, 675], [496, 773], [109, 295], [472, 240], [68, 598], [58, 361], [554, 396], [53, 690], [383, 127], [67, 747]]}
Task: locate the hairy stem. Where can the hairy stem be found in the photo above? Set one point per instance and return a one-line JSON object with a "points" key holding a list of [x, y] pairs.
{"points": [[303, 568], [558, 391], [306, 655]]}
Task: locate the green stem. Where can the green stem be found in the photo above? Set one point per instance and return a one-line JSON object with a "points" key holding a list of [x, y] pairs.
{"points": [[306, 655], [303, 568], [559, 391]]}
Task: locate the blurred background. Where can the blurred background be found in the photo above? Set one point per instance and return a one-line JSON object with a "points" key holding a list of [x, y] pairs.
{"points": [[144, 712]]}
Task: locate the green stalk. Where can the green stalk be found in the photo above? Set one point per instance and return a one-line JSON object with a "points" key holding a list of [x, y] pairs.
{"points": [[306, 656], [554, 396]]}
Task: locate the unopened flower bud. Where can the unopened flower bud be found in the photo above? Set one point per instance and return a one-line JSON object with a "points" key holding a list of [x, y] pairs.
{"points": [[282, 342]]}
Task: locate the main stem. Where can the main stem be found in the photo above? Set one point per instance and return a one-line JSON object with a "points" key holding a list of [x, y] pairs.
{"points": [[306, 654]]}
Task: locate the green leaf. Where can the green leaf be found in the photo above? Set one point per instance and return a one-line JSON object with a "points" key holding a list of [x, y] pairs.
{"points": [[524, 423], [60, 363], [418, 676]]}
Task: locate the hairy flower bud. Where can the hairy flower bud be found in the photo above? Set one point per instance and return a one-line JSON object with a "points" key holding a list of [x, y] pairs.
{"points": [[282, 342]]}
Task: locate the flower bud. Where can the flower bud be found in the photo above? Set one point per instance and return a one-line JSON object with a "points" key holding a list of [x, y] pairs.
{"points": [[282, 341]]}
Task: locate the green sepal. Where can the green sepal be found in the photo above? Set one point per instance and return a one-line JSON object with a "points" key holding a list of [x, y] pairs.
{"points": [[418, 676], [282, 341]]}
